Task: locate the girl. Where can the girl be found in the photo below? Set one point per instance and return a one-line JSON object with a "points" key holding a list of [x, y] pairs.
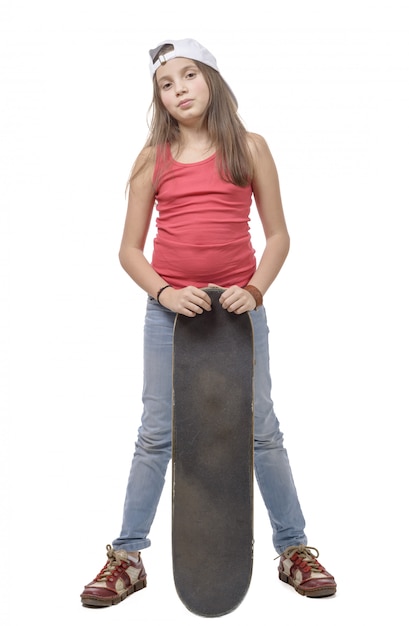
{"points": [[201, 169]]}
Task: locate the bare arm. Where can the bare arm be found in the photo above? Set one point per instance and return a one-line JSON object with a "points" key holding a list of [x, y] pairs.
{"points": [[141, 200], [267, 196]]}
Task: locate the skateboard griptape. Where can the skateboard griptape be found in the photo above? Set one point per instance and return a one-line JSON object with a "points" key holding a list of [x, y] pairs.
{"points": [[212, 459]]}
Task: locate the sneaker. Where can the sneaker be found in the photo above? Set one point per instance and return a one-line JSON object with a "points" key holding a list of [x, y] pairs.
{"points": [[121, 576], [299, 567]]}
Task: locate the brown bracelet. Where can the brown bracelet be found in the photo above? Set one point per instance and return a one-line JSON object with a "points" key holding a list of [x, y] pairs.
{"points": [[160, 291], [256, 293]]}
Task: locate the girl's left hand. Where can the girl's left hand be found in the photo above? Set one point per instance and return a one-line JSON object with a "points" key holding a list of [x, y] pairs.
{"points": [[235, 299]]}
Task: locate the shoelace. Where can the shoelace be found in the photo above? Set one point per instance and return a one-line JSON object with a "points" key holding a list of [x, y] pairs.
{"points": [[112, 564], [304, 556]]}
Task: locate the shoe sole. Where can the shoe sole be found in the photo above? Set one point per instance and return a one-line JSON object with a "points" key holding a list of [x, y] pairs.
{"points": [[319, 592], [96, 603]]}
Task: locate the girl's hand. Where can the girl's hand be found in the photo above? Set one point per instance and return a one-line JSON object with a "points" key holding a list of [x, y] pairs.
{"points": [[236, 300], [189, 301]]}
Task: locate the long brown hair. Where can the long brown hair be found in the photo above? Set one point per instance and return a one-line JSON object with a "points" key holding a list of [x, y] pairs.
{"points": [[223, 124]]}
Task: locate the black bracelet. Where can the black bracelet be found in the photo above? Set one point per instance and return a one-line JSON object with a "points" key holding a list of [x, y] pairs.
{"points": [[160, 291]]}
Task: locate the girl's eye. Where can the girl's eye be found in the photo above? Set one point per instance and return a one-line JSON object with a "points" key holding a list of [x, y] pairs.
{"points": [[165, 85], [191, 75]]}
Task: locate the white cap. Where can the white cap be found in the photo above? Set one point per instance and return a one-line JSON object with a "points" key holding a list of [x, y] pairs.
{"points": [[187, 48]]}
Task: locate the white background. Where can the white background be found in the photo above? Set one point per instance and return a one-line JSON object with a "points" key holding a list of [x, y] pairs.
{"points": [[326, 83]]}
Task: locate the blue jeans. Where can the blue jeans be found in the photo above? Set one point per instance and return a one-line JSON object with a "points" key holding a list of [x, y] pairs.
{"points": [[153, 447]]}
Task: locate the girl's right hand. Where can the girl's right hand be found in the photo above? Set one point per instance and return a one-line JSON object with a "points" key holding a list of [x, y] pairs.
{"points": [[189, 301]]}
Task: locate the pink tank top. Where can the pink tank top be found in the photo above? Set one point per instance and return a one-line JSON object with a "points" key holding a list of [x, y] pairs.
{"points": [[202, 227]]}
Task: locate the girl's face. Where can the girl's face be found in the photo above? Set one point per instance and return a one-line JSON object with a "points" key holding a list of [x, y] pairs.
{"points": [[183, 89]]}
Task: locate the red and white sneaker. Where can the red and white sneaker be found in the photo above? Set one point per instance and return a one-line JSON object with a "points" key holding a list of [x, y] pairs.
{"points": [[299, 567], [121, 576]]}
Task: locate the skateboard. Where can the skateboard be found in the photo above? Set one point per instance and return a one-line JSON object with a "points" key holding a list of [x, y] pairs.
{"points": [[212, 459]]}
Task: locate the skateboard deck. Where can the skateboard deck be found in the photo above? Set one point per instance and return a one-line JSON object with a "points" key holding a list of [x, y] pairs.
{"points": [[212, 459]]}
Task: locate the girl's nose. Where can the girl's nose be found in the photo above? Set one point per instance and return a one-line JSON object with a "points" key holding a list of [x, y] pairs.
{"points": [[180, 89]]}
